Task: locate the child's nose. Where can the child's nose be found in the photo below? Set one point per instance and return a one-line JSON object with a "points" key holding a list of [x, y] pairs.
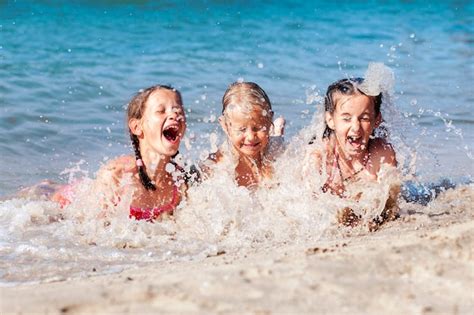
{"points": [[355, 126], [250, 135], [174, 114]]}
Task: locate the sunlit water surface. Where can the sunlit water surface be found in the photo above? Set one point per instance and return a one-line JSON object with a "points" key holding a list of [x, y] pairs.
{"points": [[69, 69]]}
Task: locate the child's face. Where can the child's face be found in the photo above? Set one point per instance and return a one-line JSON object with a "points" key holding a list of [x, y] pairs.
{"points": [[248, 131], [353, 121], [163, 123]]}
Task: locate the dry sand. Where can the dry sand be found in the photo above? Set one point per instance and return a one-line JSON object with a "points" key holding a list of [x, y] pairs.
{"points": [[422, 263]]}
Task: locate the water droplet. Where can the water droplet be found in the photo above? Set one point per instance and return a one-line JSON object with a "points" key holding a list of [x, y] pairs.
{"points": [[170, 168]]}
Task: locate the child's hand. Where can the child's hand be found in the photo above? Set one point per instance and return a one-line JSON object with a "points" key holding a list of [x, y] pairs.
{"points": [[348, 217], [279, 127]]}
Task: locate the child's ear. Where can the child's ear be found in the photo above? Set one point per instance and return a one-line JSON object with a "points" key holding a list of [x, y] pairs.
{"points": [[135, 127], [223, 124], [329, 120], [378, 120]]}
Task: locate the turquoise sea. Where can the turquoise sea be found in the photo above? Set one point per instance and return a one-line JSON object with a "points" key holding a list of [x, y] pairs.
{"points": [[68, 68]]}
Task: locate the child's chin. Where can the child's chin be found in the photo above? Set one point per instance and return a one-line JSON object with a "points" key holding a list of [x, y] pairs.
{"points": [[170, 151], [251, 154]]}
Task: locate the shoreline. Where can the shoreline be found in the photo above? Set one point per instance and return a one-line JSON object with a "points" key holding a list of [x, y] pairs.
{"points": [[422, 263]]}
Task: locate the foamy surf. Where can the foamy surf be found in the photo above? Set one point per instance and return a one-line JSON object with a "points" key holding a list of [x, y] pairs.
{"points": [[41, 242]]}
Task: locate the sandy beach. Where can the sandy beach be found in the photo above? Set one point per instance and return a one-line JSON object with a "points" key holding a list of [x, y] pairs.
{"points": [[68, 71], [422, 263]]}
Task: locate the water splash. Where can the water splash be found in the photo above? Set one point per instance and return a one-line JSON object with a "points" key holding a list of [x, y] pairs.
{"points": [[288, 208], [378, 79]]}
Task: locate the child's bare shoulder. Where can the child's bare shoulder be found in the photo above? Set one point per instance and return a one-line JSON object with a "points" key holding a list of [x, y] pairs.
{"points": [[317, 155], [116, 168], [383, 151], [322, 150], [109, 178], [381, 145]]}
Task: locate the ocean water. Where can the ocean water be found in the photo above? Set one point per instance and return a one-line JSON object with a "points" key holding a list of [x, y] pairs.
{"points": [[68, 68]]}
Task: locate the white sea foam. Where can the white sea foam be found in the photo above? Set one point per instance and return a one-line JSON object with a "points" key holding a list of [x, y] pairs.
{"points": [[41, 242]]}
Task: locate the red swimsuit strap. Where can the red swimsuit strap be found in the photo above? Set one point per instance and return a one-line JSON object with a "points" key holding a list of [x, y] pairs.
{"points": [[152, 213]]}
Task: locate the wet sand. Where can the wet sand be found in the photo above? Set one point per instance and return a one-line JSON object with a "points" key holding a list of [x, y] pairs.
{"points": [[422, 263]]}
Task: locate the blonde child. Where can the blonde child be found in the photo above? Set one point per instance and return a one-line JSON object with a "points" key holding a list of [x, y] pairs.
{"points": [[156, 123], [350, 150], [247, 121]]}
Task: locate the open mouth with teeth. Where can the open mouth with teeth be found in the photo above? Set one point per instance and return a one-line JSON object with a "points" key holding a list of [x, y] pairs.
{"points": [[171, 133], [356, 142]]}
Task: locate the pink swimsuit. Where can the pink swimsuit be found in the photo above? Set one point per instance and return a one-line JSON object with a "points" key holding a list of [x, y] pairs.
{"points": [[151, 214], [65, 194]]}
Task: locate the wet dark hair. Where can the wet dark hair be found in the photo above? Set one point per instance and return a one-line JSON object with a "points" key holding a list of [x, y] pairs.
{"points": [[135, 110], [346, 87]]}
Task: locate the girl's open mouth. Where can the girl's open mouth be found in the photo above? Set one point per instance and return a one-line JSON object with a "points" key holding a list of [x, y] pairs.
{"points": [[171, 133], [355, 142]]}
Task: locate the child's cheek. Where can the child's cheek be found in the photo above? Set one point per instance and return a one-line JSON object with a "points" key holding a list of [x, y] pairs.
{"points": [[264, 134]]}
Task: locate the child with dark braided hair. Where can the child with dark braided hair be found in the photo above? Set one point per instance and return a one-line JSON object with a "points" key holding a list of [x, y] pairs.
{"points": [[156, 123]]}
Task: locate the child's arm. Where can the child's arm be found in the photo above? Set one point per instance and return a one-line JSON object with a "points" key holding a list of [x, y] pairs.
{"points": [[109, 180], [312, 167], [278, 128], [321, 160], [206, 165]]}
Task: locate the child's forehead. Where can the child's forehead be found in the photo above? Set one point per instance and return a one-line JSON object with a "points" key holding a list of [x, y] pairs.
{"points": [[246, 115], [355, 101], [163, 97], [246, 109]]}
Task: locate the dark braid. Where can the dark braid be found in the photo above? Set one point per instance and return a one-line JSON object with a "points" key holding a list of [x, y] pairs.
{"points": [[144, 178]]}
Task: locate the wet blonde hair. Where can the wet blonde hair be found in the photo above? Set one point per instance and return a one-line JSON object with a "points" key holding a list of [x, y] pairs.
{"points": [[247, 95]]}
